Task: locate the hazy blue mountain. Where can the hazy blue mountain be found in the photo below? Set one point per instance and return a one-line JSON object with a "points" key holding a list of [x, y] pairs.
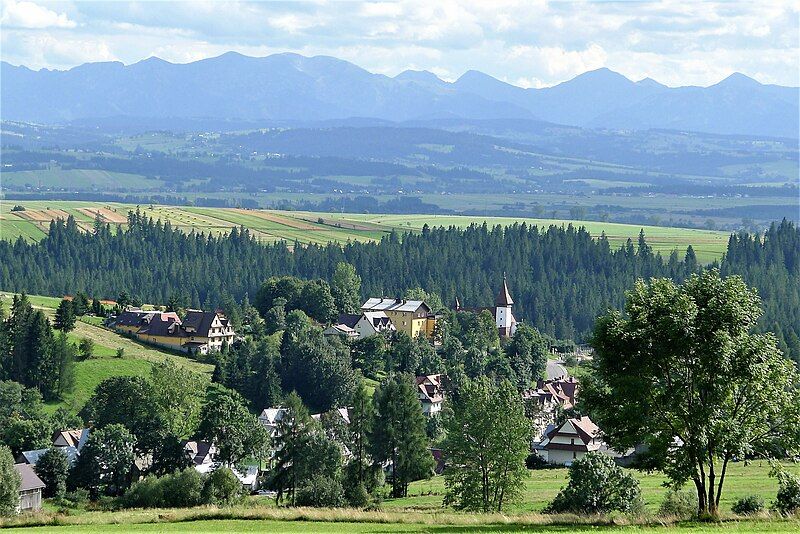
{"points": [[233, 86], [290, 87]]}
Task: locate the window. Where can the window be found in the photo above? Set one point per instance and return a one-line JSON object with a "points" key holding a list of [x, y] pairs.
{"points": [[574, 455], [572, 441]]}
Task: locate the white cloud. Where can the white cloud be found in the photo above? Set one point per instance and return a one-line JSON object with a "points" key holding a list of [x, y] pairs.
{"points": [[32, 16]]}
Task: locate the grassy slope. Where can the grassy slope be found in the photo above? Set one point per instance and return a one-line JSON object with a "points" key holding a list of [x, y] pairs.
{"points": [[137, 359], [305, 227]]}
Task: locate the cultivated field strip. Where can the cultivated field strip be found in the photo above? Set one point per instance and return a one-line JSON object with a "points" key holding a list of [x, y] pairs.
{"points": [[323, 228]]}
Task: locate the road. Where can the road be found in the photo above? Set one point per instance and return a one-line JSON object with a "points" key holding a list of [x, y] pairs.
{"points": [[555, 369]]}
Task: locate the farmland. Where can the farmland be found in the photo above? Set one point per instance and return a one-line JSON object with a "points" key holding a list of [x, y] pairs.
{"points": [[306, 227]]}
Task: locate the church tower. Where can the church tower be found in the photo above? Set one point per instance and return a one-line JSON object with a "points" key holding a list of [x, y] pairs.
{"points": [[506, 324]]}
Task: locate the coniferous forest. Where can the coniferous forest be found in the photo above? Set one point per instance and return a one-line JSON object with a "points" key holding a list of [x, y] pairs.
{"points": [[561, 278]]}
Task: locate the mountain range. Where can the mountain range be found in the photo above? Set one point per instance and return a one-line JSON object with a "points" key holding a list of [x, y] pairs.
{"points": [[291, 87]]}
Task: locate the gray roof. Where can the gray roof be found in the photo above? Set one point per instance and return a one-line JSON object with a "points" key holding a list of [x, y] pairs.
{"points": [[389, 304], [30, 481], [199, 322], [348, 319], [32, 457]]}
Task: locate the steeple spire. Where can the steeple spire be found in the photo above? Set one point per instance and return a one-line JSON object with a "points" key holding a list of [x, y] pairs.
{"points": [[504, 297]]}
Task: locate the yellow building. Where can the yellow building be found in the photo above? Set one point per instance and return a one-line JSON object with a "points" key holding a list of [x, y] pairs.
{"points": [[410, 316], [199, 332]]}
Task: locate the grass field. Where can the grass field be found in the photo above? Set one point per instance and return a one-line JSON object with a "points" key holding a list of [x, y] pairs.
{"points": [[322, 228], [83, 179], [137, 358]]}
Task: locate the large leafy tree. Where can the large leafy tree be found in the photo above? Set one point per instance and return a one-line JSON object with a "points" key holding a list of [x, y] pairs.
{"points": [[228, 424], [488, 440], [527, 354], [682, 373], [105, 462], [398, 432], [177, 396], [53, 468]]}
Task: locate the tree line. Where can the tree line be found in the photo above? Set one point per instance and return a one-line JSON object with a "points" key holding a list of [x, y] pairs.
{"points": [[561, 277]]}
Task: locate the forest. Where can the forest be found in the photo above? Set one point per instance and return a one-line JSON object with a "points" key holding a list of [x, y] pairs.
{"points": [[560, 278]]}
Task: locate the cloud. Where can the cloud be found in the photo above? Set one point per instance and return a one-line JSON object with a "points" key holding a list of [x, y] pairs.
{"points": [[32, 16], [529, 42]]}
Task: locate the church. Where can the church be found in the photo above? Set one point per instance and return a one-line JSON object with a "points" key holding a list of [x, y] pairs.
{"points": [[503, 316]]}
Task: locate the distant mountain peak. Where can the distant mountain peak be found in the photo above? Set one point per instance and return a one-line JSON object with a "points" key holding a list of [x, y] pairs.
{"points": [[650, 82], [737, 79], [419, 76]]}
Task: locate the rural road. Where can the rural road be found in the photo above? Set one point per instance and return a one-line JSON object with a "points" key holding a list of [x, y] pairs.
{"points": [[556, 370]]}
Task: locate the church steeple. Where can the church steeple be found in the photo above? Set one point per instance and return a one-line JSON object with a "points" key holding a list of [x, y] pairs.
{"points": [[504, 297]]}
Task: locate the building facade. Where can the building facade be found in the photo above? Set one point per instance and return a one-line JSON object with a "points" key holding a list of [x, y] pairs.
{"points": [[414, 317]]}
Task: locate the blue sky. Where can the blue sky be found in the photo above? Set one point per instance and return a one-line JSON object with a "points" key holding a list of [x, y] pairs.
{"points": [[530, 43]]}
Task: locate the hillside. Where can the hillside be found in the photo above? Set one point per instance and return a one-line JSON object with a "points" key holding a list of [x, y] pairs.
{"points": [[136, 361], [291, 87]]}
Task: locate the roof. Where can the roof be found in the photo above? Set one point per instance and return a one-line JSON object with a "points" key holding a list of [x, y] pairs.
{"points": [[504, 297], [199, 322], [340, 330], [32, 457], [137, 317], [348, 319], [272, 415], [159, 327], [390, 304], [198, 451], [584, 427], [430, 388], [379, 320], [29, 479]]}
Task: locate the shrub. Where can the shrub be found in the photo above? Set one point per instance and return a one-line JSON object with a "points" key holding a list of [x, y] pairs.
{"points": [[597, 485], [534, 461], [146, 493], [182, 489], [750, 505], [322, 491], [222, 487], [787, 501], [679, 504]]}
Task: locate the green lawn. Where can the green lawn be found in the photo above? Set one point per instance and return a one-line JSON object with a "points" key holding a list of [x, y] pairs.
{"points": [[57, 178]]}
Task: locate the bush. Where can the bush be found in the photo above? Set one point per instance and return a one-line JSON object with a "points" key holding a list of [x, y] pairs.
{"points": [[181, 489], [750, 505], [597, 485], [534, 461], [222, 487], [146, 493], [53, 468], [679, 504], [787, 501], [321, 491]]}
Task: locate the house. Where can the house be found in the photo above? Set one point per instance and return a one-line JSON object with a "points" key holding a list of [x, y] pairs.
{"points": [[199, 332], [199, 452], [207, 331], [413, 317], [543, 403], [30, 489], [430, 392], [362, 325], [341, 329], [503, 316], [70, 438], [270, 418], [571, 440], [342, 413]]}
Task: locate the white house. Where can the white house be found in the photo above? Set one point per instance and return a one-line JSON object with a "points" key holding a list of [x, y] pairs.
{"points": [[366, 324], [571, 440], [430, 392]]}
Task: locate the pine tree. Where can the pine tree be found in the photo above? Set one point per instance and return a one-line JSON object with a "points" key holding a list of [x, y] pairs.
{"points": [[65, 316], [398, 433]]}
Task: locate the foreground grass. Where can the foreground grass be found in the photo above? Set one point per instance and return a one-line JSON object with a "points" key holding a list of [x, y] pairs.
{"points": [[543, 485], [261, 518]]}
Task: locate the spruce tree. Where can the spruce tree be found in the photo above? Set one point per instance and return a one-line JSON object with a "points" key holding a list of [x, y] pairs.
{"points": [[398, 433], [65, 316]]}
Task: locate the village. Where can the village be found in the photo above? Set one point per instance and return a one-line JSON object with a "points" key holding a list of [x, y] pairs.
{"points": [[556, 438]]}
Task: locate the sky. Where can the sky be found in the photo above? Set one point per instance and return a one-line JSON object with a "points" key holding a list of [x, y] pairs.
{"points": [[532, 43]]}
